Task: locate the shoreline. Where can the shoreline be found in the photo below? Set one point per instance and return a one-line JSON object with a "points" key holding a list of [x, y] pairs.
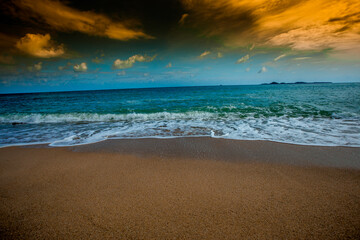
{"points": [[173, 137], [256, 150], [208, 148], [184, 188]]}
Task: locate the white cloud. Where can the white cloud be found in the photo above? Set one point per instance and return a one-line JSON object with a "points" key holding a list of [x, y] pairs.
{"points": [[279, 57], [39, 45], [243, 59], [80, 67], [263, 69], [317, 38], [129, 63], [301, 58], [247, 69]]}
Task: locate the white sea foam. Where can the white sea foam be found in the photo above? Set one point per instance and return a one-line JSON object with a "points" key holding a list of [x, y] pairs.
{"points": [[309, 131], [37, 118], [82, 128]]}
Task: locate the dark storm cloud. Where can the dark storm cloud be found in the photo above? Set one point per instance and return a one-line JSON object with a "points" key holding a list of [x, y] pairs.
{"points": [[67, 21], [57, 15], [157, 17]]}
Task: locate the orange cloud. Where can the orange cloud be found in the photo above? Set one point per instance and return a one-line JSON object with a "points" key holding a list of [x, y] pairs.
{"points": [[63, 18], [302, 25], [39, 45], [182, 19], [204, 54]]}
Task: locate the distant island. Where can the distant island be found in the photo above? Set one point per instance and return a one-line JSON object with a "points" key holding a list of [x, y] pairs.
{"points": [[275, 83]]}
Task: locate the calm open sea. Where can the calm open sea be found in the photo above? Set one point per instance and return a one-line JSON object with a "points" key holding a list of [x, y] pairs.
{"points": [[312, 114]]}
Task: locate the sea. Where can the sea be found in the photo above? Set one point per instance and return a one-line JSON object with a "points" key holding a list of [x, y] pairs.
{"points": [[306, 114]]}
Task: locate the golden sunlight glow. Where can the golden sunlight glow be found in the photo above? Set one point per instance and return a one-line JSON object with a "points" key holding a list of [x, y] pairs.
{"points": [[302, 25], [39, 45]]}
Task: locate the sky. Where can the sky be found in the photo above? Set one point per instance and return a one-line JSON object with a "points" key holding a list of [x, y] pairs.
{"points": [[50, 45]]}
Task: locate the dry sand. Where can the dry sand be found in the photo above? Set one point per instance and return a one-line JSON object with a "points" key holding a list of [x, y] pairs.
{"points": [[180, 189]]}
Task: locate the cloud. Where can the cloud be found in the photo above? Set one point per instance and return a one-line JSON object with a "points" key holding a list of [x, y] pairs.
{"points": [[129, 63], [214, 55], [39, 45], [182, 19], [218, 17], [36, 67], [243, 59], [317, 38], [169, 65], [82, 67], [263, 69], [61, 17], [301, 25], [204, 54], [247, 69], [279, 57], [301, 58]]}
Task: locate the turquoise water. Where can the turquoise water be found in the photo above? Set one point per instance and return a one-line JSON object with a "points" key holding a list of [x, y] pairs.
{"points": [[312, 114]]}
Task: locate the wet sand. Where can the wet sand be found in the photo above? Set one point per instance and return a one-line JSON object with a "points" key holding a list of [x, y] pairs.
{"points": [[188, 188]]}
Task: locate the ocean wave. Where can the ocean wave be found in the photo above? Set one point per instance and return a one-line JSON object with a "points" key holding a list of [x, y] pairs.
{"points": [[38, 118], [59, 132], [327, 115]]}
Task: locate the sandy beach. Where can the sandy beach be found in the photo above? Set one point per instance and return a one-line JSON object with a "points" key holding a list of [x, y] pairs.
{"points": [[185, 188]]}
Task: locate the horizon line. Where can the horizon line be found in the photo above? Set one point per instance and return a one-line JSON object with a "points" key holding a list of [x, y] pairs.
{"points": [[186, 86]]}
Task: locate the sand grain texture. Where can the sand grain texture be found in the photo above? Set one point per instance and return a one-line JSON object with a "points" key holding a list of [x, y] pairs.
{"points": [[56, 193]]}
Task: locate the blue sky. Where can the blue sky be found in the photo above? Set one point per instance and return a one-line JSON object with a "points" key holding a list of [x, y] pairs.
{"points": [[116, 45]]}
